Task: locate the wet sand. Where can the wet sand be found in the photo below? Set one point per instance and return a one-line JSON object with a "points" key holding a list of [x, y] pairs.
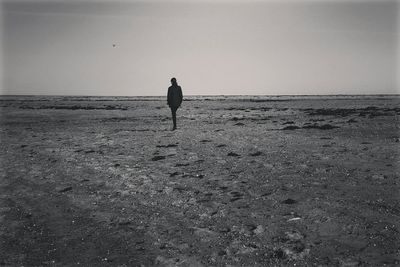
{"points": [[244, 181]]}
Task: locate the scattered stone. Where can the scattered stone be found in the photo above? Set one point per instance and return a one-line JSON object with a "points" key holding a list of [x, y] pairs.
{"points": [[236, 196], [66, 189], [289, 201], [183, 246], [170, 145], [321, 127], [124, 222], [222, 145], [205, 234], [181, 164], [291, 127], [327, 127], [224, 229], [179, 188], [237, 119], [297, 252], [235, 199], [278, 254], [350, 263], [351, 121], [158, 158], [294, 236], [294, 219], [267, 193], [255, 154], [245, 250], [259, 230], [378, 177], [233, 154], [168, 190], [173, 174]]}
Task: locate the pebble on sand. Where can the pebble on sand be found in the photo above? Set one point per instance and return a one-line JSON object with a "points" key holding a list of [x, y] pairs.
{"points": [[289, 201], [291, 127], [157, 158], [259, 230], [66, 189]]}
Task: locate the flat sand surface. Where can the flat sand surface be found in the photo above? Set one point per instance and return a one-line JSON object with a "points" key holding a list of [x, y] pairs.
{"points": [[244, 181]]}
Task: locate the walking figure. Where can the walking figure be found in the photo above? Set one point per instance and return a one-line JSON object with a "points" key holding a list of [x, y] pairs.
{"points": [[174, 99]]}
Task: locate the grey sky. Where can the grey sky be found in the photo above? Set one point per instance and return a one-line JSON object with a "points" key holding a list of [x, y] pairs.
{"points": [[211, 47]]}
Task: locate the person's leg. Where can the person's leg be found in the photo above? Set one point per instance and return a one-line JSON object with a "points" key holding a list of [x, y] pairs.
{"points": [[174, 117]]}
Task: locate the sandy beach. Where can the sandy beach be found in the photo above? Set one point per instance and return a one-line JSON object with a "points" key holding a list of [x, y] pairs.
{"points": [[243, 181]]}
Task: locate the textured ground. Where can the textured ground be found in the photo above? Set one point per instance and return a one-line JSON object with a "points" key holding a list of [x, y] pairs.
{"points": [[242, 182]]}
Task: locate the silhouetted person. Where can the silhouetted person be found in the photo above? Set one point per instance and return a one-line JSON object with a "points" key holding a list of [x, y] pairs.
{"points": [[174, 99]]}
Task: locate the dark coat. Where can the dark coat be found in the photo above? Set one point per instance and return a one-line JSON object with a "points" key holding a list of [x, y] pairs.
{"points": [[174, 97]]}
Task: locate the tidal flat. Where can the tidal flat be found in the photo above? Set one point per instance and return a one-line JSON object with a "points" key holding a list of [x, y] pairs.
{"points": [[243, 181]]}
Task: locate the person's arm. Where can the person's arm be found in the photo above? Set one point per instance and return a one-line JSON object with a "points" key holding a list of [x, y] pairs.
{"points": [[180, 95], [169, 96]]}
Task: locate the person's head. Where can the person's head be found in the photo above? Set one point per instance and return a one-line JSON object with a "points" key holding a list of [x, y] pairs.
{"points": [[173, 81]]}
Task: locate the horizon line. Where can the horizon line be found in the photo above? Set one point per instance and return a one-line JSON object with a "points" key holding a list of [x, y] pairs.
{"points": [[228, 95]]}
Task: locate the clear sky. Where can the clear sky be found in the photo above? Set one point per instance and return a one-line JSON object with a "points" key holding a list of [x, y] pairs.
{"points": [[66, 47]]}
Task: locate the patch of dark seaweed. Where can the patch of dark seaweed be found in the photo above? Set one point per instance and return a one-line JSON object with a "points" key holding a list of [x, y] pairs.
{"points": [[236, 119], [182, 164], [321, 127], [170, 145], [268, 100], [330, 112], [77, 107], [234, 108], [260, 109], [291, 127], [289, 201], [247, 109], [118, 119], [260, 119], [370, 111], [156, 158]]}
